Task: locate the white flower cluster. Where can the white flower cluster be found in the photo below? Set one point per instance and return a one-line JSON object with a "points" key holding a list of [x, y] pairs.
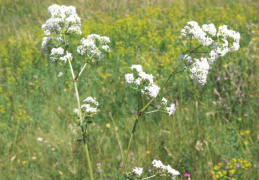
{"points": [[138, 171], [164, 101], [224, 34], [93, 45], [170, 110], [90, 107], [64, 19], [67, 57], [159, 165], [48, 43], [147, 79], [207, 36], [198, 68]]}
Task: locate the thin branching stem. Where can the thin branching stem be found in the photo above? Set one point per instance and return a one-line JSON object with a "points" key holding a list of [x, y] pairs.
{"points": [[148, 104], [86, 63]]}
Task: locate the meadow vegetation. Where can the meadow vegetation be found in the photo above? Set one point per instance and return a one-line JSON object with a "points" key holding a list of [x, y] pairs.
{"points": [[212, 135]]}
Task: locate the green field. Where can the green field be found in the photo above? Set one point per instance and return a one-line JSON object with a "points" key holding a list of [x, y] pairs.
{"points": [[213, 133]]}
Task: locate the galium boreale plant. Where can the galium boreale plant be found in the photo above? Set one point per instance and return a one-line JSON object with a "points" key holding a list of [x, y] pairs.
{"points": [[206, 44], [64, 22]]}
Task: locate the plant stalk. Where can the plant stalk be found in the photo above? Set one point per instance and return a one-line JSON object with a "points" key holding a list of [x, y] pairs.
{"points": [[148, 104], [81, 122]]}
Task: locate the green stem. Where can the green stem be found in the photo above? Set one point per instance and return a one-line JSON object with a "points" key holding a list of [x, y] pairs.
{"points": [[81, 122], [126, 157], [86, 63], [148, 104]]}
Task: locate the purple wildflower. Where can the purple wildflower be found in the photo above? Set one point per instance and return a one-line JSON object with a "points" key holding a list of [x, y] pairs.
{"points": [[187, 175]]}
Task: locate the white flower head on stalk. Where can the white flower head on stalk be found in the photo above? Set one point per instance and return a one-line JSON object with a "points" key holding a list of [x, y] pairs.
{"points": [[138, 171], [224, 34], [137, 67], [172, 171], [199, 70], [76, 111], [149, 86], [160, 166], [164, 101], [157, 163], [48, 43], [90, 106], [56, 53], [91, 101], [151, 90], [94, 45], [210, 28], [227, 40], [67, 57], [170, 110], [64, 20], [129, 78]]}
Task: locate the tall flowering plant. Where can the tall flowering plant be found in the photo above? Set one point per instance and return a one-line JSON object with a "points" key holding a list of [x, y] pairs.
{"points": [[64, 22], [214, 43]]}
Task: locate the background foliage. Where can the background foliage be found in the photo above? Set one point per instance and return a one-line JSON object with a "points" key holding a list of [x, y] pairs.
{"points": [[35, 102]]}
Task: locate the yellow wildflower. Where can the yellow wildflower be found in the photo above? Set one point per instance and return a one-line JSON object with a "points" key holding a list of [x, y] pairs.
{"points": [[232, 171]]}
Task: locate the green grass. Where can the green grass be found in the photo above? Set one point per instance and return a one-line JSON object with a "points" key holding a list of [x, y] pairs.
{"points": [[34, 102]]}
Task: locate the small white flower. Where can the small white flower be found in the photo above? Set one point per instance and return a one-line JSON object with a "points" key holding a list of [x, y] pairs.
{"points": [[157, 163], [210, 28], [91, 100], [89, 45], [137, 67], [138, 81], [67, 57], [199, 70], [151, 90], [164, 101], [129, 78], [40, 139], [137, 171], [57, 51], [60, 74], [76, 111], [170, 110]]}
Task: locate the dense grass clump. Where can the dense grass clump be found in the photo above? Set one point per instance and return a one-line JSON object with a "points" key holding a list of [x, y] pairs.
{"points": [[213, 133]]}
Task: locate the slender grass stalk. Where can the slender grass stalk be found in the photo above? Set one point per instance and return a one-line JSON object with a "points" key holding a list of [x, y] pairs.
{"points": [[16, 133], [148, 104], [117, 136]]}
